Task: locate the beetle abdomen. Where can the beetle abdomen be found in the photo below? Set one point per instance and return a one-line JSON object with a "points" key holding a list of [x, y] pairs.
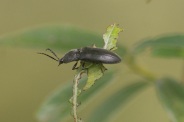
{"points": [[98, 55]]}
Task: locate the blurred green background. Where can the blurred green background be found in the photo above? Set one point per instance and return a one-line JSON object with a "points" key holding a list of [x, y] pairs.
{"points": [[26, 78]]}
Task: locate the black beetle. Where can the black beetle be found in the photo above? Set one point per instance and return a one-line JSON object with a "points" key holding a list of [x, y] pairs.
{"points": [[88, 54]]}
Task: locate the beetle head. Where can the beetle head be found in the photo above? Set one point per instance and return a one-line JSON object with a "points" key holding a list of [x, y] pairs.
{"points": [[72, 55]]}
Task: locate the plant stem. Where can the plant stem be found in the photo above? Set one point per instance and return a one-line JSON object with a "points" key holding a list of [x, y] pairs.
{"points": [[74, 102], [76, 92], [130, 61], [182, 77], [141, 71]]}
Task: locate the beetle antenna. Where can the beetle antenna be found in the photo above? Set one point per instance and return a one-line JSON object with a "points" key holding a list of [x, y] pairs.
{"points": [[52, 53], [49, 56]]}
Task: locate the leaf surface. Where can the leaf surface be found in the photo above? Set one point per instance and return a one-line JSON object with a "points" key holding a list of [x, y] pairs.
{"points": [[111, 36], [171, 94], [53, 37], [95, 71], [56, 107], [164, 46], [115, 101]]}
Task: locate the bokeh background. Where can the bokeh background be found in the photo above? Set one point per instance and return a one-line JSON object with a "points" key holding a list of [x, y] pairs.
{"points": [[26, 79]]}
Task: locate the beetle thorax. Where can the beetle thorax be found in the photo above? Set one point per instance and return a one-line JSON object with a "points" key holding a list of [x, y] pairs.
{"points": [[72, 55]]}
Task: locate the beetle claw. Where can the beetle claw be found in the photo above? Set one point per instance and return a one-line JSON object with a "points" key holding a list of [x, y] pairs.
{"points": [[74, 66]]}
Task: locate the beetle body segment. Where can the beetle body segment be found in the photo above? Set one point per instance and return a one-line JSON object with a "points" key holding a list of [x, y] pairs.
{"points": [[72, 55], [98, 55], [89, 54]]}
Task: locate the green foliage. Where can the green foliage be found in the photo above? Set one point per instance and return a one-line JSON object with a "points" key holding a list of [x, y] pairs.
{"points": [[111, 36], [164, 46], [171, 94], [95, 71], [56, 108], [62, 38], [115, 101], [102, 82]]}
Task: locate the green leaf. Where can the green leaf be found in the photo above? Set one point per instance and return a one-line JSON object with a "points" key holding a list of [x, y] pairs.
{"points": [[111, 36], [56, 107], [54, 37], [106, 79], [168, 52], [115, 101], [95, 71], [171, 94], [165, 46]]}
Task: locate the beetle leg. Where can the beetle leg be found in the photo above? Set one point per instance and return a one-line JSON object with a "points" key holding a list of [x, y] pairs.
{"points": [[112, 48], [105, 68], [102, 70], [74, 66], [83, 65]]}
